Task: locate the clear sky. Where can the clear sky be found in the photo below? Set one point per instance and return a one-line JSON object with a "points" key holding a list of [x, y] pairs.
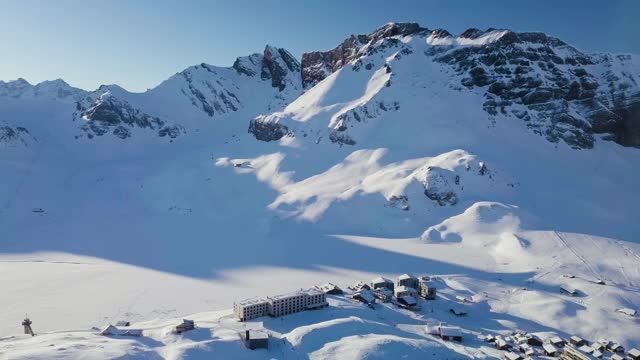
{"points": [[139, 43]]}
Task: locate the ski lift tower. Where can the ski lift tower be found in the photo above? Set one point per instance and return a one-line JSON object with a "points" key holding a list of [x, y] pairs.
{"points": [[27, 326]]}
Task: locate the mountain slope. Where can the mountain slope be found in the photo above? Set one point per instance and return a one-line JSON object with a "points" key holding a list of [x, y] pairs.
{"points": [[391, 153]]}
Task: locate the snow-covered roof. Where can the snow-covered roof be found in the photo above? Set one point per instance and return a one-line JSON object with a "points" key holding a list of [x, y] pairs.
{"points": [[258, 334], [405, 277], [409, 300], [512, 356], [575, 338], [549, 348], [450, 331], [634, 352], [366, 295], [405, 288], [556, 340], [380, 279], [616, 357], [586, 349], [627, 311], [252, 301]]}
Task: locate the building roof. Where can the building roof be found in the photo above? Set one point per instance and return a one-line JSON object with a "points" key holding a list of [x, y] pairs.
{"points": [[381, 279], [366, 295], [405, 277], [576, 338], [258, 334], [295, 294], [409, 300], [549, 348], [616, 357], [556, 340], [634, 352], [405, 288], [251, 301], [450, 331], [512, 356], [627, 311]]}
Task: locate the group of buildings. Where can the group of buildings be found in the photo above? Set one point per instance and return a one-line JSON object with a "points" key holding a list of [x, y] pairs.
{"points": [[405, 290], [522, 346], [280, 305]]}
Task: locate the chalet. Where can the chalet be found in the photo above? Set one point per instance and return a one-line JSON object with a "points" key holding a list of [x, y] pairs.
{"points": [[628, 312], [549, 350], [512, 356], [256, 339], [427, 290], [616, 357], [381, 282], [383, 294], [408, 280], [114, 331], [365, 296], [577, 341], [402, 291], [556, 341], [615, 347], [489, 338], [534, 340], [361, 285], [569, 290], [502, 344], [634, 354], [407, 302], [185, 326], [597, 354], [450, 333], [331, 289]]}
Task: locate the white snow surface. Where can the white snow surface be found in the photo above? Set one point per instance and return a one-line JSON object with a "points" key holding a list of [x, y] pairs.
{"points": [[151, 231]]}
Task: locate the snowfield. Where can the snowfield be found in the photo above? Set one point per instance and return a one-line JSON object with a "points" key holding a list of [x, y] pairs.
{"points": [[386, 166]]}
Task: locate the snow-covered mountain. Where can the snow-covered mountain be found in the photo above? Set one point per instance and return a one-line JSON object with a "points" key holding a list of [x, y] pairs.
{"points": [[498, 160]]}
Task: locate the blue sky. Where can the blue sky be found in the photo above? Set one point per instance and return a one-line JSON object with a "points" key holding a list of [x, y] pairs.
{"points": [[139, 43]]}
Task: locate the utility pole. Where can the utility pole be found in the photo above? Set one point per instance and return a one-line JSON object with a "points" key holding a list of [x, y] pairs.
{"points": [[27, 326]]}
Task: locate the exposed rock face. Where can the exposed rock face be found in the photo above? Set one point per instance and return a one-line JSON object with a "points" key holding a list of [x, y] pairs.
{"points": [[14, 135], [318, 65], [267, 131], [565, 97], [439, 184], [276, 64], [107, 114]]}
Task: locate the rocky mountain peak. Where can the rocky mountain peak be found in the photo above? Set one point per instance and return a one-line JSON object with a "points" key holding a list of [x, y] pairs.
{"points": [[319, 64]]}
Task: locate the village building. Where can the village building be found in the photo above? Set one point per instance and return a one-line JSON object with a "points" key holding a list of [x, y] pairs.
{"points": [[186, 325], [280, 305], [331, 289], [256, 339], [628, 312], [557, 341], [502, 344], [285, 304], [365, 295], [408, 281], [427, 291], [572, 353], [616, 357], [250, 308], [512, 356], [577, 341], [408, 302], [383, 294], [549, 350], [634, 354], [402, 291], [381, 282], [450, 333], [569, 290], [615, 347]]}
